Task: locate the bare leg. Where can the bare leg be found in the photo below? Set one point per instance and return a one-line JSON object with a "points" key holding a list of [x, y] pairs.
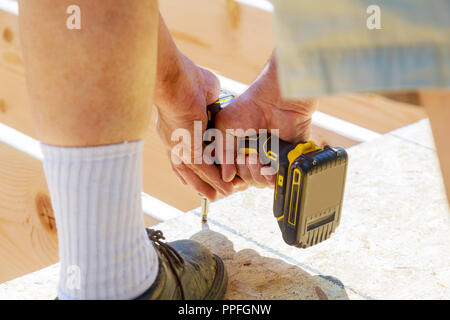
{"points": [[91, 93], [92, 86]]}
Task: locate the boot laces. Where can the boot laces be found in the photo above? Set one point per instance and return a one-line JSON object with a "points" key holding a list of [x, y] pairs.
{"points": [[172, 256]]}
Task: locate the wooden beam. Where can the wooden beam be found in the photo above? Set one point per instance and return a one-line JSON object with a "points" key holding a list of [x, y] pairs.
{"points": [[28, 239], [236, 40], [371, 111], [324, 137], [12, 76], [411, 97], [230, 37], [437, 103], [159, 181]]}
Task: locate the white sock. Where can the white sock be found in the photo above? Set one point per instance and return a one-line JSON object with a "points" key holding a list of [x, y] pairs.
{"points": [[103, 246]]}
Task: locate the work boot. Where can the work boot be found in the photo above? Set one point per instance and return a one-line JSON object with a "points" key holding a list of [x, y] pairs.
{"points": [[187, 271]]}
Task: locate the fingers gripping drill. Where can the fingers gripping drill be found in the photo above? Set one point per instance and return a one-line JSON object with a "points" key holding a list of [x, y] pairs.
{"points": [[309, 186]]}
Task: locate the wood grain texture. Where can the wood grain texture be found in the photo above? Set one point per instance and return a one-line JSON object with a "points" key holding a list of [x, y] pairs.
{"points": [[407, 96], [159, 181], [371, 111], [232, 38], [323, 137], [28, 239], [12, 80]]}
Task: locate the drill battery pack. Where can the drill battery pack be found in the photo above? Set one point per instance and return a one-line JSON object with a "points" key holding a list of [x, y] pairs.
{"points": [[309, 186], [309, 191]]}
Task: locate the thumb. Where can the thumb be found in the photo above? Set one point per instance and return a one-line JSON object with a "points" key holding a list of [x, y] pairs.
{"points": [[240, 115], [228, 118]]}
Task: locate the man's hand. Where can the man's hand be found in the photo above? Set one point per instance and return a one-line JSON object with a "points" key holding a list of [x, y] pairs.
{"points": [[191, 93], [261, 107], [183, 90]]}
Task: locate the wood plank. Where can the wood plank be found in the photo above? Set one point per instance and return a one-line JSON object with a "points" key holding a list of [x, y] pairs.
{"points": [[323, 137], [159, 181], [371, 111], [409, 96], [235, 56], [230, 37], [437, 104], [28, 239], [12, 78], [223, 34]]}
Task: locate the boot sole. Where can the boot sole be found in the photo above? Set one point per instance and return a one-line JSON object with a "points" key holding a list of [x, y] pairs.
{"points": [[220, 283]]}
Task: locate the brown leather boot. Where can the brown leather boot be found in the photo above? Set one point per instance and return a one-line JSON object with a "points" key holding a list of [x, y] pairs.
{"points": [[187, 270]]}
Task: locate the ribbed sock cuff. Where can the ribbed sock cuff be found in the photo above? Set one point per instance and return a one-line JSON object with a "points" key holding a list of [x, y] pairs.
{"points": [[96, 195]]}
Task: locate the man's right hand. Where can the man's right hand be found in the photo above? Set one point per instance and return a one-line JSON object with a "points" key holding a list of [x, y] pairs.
{"points": [[261, 107]]}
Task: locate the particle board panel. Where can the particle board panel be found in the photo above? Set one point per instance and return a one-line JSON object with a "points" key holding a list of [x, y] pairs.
{"points": [[393, 241], [418, 133]]}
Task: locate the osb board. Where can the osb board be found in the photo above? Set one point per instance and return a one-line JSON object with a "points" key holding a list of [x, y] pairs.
{"points": [[393, 241]]}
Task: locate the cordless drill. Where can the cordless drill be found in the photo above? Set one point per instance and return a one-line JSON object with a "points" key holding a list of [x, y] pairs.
{"points": [[309, 185]]}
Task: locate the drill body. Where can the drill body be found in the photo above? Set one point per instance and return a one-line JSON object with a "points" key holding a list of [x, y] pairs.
{"points": [[309, 186]]}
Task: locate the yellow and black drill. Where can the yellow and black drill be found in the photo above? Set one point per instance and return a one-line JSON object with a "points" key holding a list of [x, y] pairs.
{"points": [[309, 186]]}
